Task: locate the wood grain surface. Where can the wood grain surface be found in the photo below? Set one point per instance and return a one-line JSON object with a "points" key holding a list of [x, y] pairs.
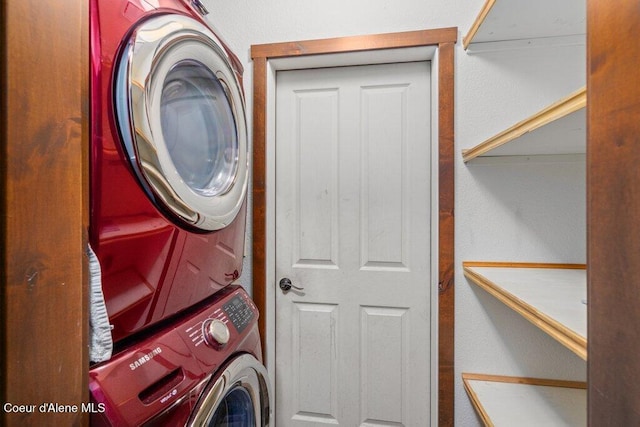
{"points": [[43, 181]]}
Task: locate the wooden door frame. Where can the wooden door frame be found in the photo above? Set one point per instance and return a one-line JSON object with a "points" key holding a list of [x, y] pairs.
{"points": [[613, 209], [444, 41], [44, 140]]}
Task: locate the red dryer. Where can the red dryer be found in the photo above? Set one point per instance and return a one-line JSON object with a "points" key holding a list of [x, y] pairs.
{"points": [[169, 162], [202, 370]]}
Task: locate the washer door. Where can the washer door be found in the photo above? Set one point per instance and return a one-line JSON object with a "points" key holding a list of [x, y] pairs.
{"points": [[239, 397], [180, 112]]}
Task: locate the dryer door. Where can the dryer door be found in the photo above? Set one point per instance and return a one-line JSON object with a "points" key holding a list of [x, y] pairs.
{"points": [[180, 112], [239, 397]]}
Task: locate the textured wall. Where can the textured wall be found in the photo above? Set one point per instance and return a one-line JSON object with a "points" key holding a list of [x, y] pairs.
{"points": [[515, 209]]}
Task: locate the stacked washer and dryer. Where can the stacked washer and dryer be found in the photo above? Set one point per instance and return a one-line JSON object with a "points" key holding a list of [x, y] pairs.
{"points": [[168, 176]]}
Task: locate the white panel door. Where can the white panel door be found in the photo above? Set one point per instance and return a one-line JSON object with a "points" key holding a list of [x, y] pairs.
{"points": [[353, 228]]}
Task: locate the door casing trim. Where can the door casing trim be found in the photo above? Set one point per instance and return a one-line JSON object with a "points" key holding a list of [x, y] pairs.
{"points": [[435, 45]]}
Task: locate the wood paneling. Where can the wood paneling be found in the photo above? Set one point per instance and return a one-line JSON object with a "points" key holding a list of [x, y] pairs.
{"points": [[43, 171], [613, 212], [445, 39]]}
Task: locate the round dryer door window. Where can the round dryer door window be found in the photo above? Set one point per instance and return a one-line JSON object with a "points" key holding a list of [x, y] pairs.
{"points": [[180, 111], [235, 410], [237, 397]]}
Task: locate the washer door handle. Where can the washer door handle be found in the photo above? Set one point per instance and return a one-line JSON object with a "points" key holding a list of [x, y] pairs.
{"points": [[285, 284]]}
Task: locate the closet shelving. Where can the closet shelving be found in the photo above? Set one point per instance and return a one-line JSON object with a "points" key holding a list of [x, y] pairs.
{"points": [[502, 20], [551, 296], [517, 401], [557, 129]]}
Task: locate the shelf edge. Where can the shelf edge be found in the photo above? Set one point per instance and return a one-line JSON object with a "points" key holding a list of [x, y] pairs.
{"points": [[477, 404], [523, 265], [570, 339], [521, 45], [525, 380], [466, 40], [565, 106]]}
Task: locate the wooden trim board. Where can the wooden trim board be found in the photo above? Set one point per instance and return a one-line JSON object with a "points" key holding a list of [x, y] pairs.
{"points": [[516, 388], [446, 227], [44, 140], [523, 265], [562, 108], [552, 319], [613, 209], [526, 380], [355, 43], [444, 40], [259, 193]]}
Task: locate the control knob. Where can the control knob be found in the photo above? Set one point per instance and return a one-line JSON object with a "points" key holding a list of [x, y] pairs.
{"points": [[216, 333]]}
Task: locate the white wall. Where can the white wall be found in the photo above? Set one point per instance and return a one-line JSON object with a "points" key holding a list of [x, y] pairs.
{"points": [[516, 209]]}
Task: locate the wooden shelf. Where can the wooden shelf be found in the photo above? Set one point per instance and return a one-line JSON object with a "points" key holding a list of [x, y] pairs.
{"points": [[558, 129], [551, 296], [501, 20], [516, 401]]}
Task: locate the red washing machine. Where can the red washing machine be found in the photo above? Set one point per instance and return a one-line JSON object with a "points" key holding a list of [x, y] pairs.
{"points": [[203, 370], [169, 161]]}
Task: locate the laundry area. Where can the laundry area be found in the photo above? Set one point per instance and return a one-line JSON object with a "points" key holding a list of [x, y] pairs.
{"points": [[297, 214]]}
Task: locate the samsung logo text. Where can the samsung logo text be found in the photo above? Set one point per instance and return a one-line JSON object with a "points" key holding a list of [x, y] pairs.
{"points": [[144, 358]]}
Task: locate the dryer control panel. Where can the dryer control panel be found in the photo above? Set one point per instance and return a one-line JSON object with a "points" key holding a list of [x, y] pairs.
{"points": [[239, 312], [164, 372]]}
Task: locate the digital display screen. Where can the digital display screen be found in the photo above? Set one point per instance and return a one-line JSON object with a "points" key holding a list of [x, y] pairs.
{"points": [[239, 313]]}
